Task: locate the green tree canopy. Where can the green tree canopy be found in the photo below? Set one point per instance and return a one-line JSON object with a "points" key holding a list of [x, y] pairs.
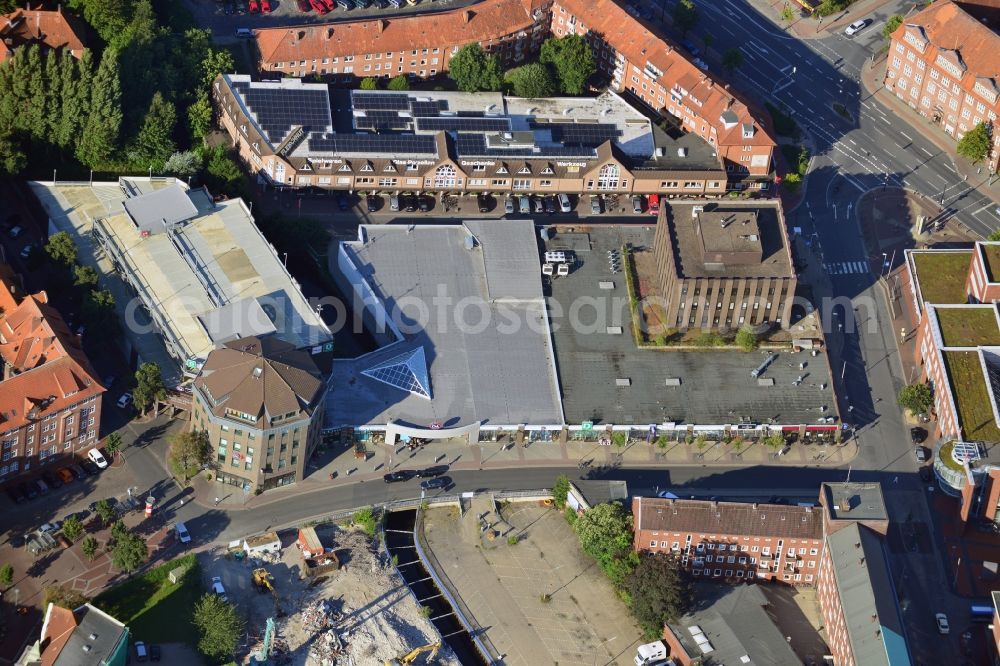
{"points": [[62, 595], [473, 69], [891, 24], [746, 339], [105, 511], [84, 276], [732, 59], [572, 59], [113, 444], [916, 397], [685, 16], [61, 248], [155, 143], [199, 116], [188, 452], [994, 235], [129, 552], [89, 547], [148, 386], [222, 173], [6, 575], [183, 164], [787, 14], [659, 592], [99, 311], [400, 82], [560, 491], [100, 132], [605, 532], [975, 144], [533, 80], [369, 83], [12, 158], [72, 528], [219, 627]]}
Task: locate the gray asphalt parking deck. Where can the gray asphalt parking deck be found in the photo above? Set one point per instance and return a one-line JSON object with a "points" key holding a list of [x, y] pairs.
{"points": [[715, 385]]}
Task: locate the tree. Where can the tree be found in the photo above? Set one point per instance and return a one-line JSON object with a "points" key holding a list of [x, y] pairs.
{"points": [[89, 547], [12, 158], [99, 310], [787, 14], [105, 511], [975, 144], [473, 69], [148, 386], [572, 59], [916, 397], [994, 236], [72, 528], [746, 339], [685, 16], [560, 491], [369, 83], [891, 24], [774, 441], [189, 451], [659, 592], [63, 596], [534, 80], [732, 59], [61, 248], [129, 552], [6, 575], [183, 164], [605, 532], [200, 116], [155, 143], [118, 531], [113, 444], [219, 625], [399, 83], [222, 173], [84, 276], [100, 132]]}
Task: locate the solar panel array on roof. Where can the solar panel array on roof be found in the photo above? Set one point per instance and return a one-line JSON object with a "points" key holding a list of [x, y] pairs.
{"points": [[580, 134], [428, 109], [378, 120], [448, 123], [375, 143], [475, 145], [380, 101], [277, 110]]}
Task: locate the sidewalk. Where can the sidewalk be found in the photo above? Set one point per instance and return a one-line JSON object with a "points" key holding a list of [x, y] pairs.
{"points": [[872, 75], [806, 27], [505, 455]]}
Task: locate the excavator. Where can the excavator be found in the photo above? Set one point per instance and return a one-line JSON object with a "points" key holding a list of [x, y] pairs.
{"points": [[263, 580], [412, 655]]}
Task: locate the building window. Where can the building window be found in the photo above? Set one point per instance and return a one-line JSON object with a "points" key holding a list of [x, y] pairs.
{"points": [[445, 176], [608, 177]]}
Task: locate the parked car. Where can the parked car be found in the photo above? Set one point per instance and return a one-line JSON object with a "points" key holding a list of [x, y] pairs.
{"points": [[856, 27], [265, 6], [343, 203], [52, 527], [244, 33], [77, 471], [154, 649], [485, 203], [538, 204], [362, 4], [303, 5], [29, 490], [66, 476], [346, 5], [80, 515], [95, 456], [15, 231], [319, 6], [524, 204], [431, 472], [564, 203], [435, 483], [942, 623], [52, 479], [109, 380], [141, 654], [409, 202], [690, 46], [550, 204], [27, 250], [90, 468], [124, 400], [595, 204], [654, 204], [16, 495], [637, 204], [373, 202], [393, 201], [398, 475], [508, 205], [182, 533], [920, 453], [918, 435], [253, 6], [425, 203], [41, 486], [218, 588]]}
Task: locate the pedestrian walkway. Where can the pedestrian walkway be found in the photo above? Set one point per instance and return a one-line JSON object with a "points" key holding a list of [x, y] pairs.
{"points": [[807, 27], [847, 267]]}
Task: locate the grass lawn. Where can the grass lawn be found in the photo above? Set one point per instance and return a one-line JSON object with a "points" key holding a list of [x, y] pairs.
{"points": [[992, 253], [156, 610], [968, 327], [941, 275], [948, 459], [975, 415]]}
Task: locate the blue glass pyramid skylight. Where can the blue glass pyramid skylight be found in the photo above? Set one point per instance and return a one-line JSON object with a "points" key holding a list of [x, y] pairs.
{"points": [[407, 371]]}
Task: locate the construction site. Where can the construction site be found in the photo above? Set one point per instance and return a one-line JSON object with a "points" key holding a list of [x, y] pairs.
{"points": [[323, 596]]}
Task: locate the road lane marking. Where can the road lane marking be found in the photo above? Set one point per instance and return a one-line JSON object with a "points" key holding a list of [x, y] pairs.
{"points": [[904, 135]]}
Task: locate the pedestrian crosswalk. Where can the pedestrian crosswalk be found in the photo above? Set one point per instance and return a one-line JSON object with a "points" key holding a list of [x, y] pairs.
{"points": [[846, 267]]}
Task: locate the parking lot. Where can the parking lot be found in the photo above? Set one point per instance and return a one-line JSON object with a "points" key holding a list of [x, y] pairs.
{"points": [[541, 601]]}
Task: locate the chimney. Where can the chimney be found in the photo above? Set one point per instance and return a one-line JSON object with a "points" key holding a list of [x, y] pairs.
{"points": [[715, 505], [861, 561], [844, 504], [381, 25], [755, 506], [467, 15], [329, 34], [857, 545], [300, 35]]}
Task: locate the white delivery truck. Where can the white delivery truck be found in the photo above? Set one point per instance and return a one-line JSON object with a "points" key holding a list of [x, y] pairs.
{"points": [[652, 654]]}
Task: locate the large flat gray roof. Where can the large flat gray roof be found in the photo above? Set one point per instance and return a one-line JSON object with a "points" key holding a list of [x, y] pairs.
{"points": [[496, 373], [855, 501], [716, 386]]}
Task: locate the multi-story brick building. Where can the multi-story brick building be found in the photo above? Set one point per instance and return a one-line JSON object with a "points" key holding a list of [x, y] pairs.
{"points": [[260, 400], [723, 266], [641, 62], [952, 295], [836, 546], [943, 63], [50, 399], [416, 45]]}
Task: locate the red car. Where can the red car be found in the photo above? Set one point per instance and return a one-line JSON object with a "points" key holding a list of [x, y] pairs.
{"points": [[654, 204], [254, 7], [329, 5], [319, 6], [265, 6], [303, 5]]}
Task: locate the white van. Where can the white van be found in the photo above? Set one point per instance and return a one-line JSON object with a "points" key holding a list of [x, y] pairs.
{"points": [[182, 534]]}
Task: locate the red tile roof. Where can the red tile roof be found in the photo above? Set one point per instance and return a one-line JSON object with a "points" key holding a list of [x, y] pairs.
{"points": [[33, 332], [640, 46], [29, 26], [60, 623], [728, 518], [485, 21], [47, 389]]}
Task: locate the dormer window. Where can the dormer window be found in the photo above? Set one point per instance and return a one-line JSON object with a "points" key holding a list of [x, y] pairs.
{"points": [[524, 170], [502, 169], [306, 166], [389, 168], [748, 130], [916, 37], [344, 167], [367, 167], [547, 171]]}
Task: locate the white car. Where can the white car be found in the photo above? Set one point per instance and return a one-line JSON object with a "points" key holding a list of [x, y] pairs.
{"points": [[942, 623], [52, 527], [97, 458], [218, 588], [125, 400], [183, 535], [856, 27]]}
